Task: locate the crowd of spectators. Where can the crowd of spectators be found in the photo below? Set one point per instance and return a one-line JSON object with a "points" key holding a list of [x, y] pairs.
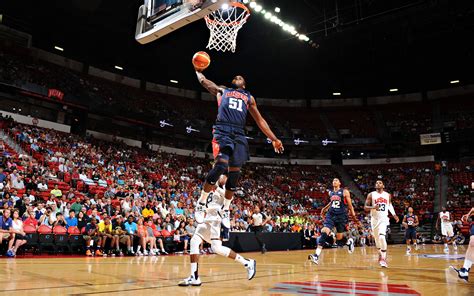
{"points": [[128, 200]]}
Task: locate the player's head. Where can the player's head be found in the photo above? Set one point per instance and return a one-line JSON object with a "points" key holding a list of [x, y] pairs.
{"points": [[257, 209], [410, 210], [443, 209], [336, 182], [379, 185], [238, 81]]}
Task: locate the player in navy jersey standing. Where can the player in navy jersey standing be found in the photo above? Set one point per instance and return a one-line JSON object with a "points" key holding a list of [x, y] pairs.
{"points": [[229, 144], [337, 217], [410, 222]]}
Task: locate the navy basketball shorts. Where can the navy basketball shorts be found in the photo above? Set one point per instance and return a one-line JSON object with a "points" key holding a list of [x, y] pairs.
{"points": [[410, 233], [337, 221], [472, 229], [233, 140]]}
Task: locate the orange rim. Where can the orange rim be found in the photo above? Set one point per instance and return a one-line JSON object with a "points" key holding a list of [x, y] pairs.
{"points": [[235, 23]]}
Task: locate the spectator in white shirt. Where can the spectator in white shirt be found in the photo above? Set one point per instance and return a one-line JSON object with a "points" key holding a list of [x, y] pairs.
{"points": [[42, 186]]}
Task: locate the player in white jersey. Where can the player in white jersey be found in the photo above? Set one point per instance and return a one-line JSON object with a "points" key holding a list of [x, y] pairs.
{"points": [[379, 203], [444, 219], [210, 231]]}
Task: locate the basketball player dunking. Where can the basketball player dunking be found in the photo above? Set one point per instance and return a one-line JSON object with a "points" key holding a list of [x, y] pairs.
{"points": [[379, 203], [463, 272], [444, 219], [337, 217], [229, 144], [410, 222]]}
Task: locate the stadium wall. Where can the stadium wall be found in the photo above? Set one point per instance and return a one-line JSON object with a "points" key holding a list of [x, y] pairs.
{"points": [[348, 162], [40, 122]]}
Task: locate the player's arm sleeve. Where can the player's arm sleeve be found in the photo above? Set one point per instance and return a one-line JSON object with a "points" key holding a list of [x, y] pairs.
{"points": [[391, 209]]}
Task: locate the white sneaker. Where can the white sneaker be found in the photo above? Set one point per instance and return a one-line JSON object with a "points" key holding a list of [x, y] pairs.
{"points": [[408, 251], [455, 247], [164, 252], [251, 268], [145, 253], [446, 250], [139, 253], [225, 218], [200, 212], [314, 258], [190, 281], [350, 246], [383, 263]]}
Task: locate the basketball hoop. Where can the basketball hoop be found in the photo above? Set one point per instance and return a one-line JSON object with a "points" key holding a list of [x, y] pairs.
{"points": [[224, 25]]}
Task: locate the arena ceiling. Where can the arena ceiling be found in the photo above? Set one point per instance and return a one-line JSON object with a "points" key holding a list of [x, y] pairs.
{"points": [[365, 47]]}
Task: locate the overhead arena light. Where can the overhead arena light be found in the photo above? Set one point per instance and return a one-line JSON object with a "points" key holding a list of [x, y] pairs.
{"points": [[274, 19], [118, 68], [336, 93], [174, 81], [246, 1], [454, 81], [58, 48], [393, 89]]}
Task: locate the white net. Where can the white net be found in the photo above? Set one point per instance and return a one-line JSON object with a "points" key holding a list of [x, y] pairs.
{"points": [[224, 25]]}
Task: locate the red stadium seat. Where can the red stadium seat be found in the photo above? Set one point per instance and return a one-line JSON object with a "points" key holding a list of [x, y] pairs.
{"points": [[44, 229], [59, 230], [29, 228]]}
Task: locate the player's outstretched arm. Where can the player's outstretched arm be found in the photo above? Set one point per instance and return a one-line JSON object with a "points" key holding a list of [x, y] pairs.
{"points": [[264, 127], [211, 87]]}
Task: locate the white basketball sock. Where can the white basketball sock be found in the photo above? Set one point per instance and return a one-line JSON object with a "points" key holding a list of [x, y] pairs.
{"points": [[318, 251], [227, 203], [241, 259], [194, 270], [203, 197], [467, 264]]}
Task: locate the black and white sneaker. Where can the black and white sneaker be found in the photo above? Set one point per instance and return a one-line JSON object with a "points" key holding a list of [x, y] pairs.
{"points": [[190, 281], [350, 245], [314, 258], [251, 268], [463, 274]]}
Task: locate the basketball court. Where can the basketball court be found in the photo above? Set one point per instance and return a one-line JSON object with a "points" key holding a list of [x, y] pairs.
{"points": [[425, 272]]}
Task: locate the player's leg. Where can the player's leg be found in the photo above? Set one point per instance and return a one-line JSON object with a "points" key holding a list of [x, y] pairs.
{"points": [[414, 239], [193, 279], [375, 229], [323, 239], [463, 272], [408, 239], [342, 238], [383, 242], [222, 152], [249, 264]]}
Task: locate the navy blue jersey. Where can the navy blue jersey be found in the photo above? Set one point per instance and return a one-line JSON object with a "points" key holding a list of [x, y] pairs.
{"points": [[233, 107], [338, 203], [410, 220]]}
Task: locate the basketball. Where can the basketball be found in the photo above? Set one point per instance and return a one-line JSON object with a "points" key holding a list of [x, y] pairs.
{"points": [[201, 60]]}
